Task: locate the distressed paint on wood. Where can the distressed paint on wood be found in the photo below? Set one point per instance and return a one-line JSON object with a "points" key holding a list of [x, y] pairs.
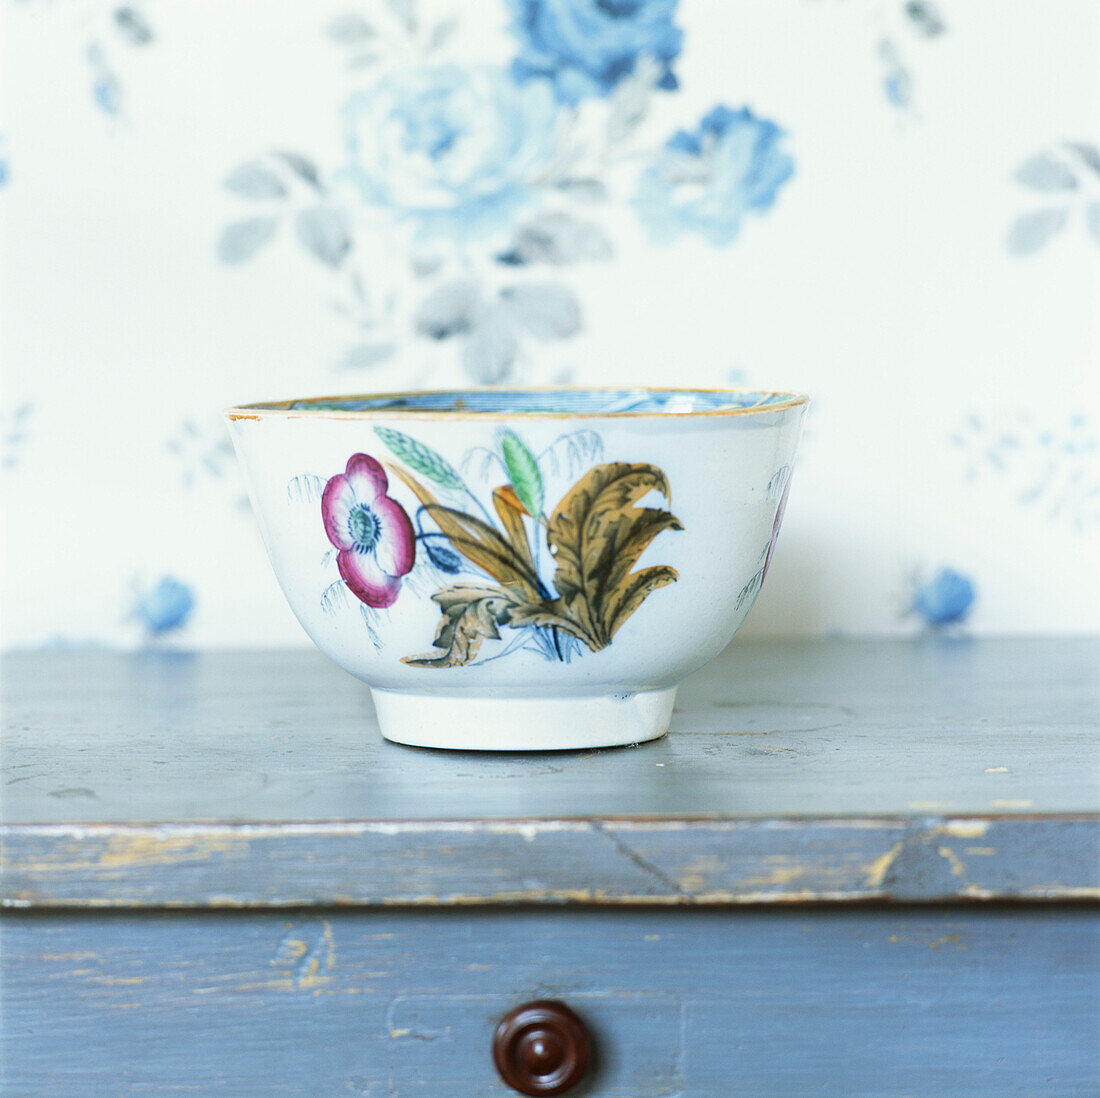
{"points": [[684, 1004], [935, 726], [612, 861]]}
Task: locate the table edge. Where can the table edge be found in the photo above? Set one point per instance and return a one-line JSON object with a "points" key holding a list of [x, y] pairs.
{"points": [[693, 861]]}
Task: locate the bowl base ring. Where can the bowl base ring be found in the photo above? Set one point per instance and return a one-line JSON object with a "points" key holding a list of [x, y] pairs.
{"points": [[494, 723]]}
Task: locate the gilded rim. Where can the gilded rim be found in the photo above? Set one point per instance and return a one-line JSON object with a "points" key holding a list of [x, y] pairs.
{"points": [[282, 408]]}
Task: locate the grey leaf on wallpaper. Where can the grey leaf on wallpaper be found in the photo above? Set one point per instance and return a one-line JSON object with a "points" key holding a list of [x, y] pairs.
{"points": [[1032, 231], [423, 262], [442, 32], [1090, 154], [1044, 172], [323, 231], [630, 100], [449, 309], [302, 167], [13, 433], [255, 180], [133, 27], [587, 190], [365, 354], [243, 239], [1092, 220], [1048, 464], [897, 83], [557, 238], [350, 28], [405, 10], [491, 348], [547, 311], [925, 17], [106, 90]]}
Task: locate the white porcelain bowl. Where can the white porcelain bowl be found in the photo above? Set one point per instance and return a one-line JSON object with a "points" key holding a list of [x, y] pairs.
{"points": [[521, 569]]}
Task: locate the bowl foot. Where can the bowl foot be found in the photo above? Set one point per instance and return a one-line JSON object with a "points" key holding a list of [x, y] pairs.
{"points": [[469, 723]]}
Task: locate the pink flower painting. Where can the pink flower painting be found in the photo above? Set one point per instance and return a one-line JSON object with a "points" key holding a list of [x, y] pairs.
{"points": [[371, 531]]}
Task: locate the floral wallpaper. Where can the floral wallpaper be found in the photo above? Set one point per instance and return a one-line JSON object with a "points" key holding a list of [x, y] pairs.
{"points": [[474, 174], [891, 204]]}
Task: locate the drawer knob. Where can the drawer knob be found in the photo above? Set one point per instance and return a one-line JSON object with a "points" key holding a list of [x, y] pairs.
{"points": [[541, 1048]]}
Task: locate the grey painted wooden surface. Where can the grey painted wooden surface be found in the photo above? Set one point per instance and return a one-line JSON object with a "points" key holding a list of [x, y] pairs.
{"points": [[925, 770], [834, 728], [720, 1004]]}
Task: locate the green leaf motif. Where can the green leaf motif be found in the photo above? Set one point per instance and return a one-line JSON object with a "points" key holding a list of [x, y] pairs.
{"points": [[420, 457], [523, 471]]}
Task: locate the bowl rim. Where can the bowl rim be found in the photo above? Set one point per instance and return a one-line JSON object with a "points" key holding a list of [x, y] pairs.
{"points": [[283, 408]]}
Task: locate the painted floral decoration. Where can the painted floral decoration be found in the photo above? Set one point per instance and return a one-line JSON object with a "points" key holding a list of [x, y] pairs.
{"points": [[371, 531], [554, 579], [776, 524], [493, 178], [706, 180], [164, 607], [586, 47], [448, 147], [945, 599], [593, 537]]}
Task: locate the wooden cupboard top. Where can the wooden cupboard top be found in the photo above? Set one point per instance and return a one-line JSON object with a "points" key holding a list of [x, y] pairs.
{"points": [[934, 768]]}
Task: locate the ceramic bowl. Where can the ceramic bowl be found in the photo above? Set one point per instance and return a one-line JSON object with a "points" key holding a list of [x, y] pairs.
{"points": [[521, 569]]}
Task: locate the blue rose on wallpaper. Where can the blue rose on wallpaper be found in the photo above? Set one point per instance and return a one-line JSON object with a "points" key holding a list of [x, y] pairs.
{"points": [[585, 47], [945, 599], [164, 606], [452, 148], [707, 180]]}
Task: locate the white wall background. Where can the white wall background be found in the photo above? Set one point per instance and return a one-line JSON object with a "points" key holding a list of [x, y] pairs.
{"points": [[955, 379]]}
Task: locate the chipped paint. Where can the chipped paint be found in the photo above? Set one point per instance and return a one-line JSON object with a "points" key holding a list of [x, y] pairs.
{"points": [[964, 829], [958, 869], [1063, 892], [876, 871], [652, 860], [995, 770], [777, 875], [947, 939], [695, 874], [126, 850], [311, 965], [780, 896]]}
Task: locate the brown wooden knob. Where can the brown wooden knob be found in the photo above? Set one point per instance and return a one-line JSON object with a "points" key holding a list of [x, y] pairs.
{"points": [[541, 1048]]}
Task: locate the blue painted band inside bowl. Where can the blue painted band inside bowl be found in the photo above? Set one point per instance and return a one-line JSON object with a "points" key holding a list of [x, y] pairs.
{"points": [[558, 401]]}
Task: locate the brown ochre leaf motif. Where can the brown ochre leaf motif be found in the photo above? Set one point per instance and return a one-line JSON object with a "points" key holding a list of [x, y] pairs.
{"points": [[595, 535]]}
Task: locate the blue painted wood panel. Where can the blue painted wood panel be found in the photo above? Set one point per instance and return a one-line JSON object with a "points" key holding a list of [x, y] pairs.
{"points": [[684, 1004], [686, 862]]}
